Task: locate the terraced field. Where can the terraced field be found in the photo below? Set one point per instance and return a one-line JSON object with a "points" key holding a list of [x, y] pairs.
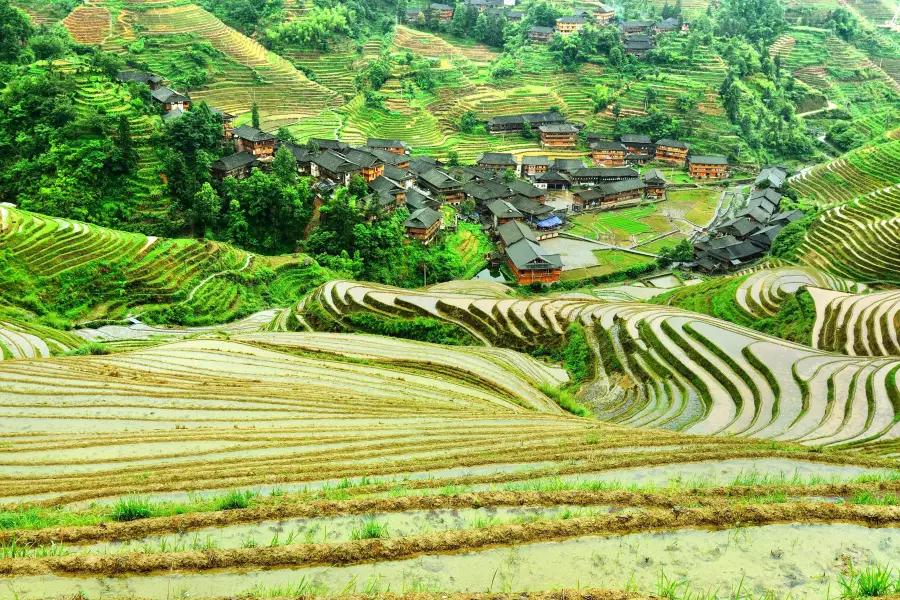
{"points": [[862, 171], [763, 292], [152, 272], [88, 24], [209, 468], [858, 325], [283, 93], [661, 366]]}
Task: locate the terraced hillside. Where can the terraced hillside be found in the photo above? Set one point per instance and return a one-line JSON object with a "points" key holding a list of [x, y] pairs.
{"points": [[316, 463], [662, 367], [85, 272], [859, 325], [763, 292], [249, 73]]}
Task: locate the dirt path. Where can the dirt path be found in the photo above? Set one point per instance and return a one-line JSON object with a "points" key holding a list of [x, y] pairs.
{"points": [[830, 106], [605, 245]]}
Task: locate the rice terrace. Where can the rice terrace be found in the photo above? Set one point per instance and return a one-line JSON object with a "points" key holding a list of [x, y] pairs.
{"points": [[475, 300]]}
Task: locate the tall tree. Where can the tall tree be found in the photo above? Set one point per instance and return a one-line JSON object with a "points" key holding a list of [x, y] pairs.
{"points": [[284, 167], [254, 115], [125, 143]]}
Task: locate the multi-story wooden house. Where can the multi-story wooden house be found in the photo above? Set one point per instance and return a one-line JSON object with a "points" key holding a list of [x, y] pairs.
{"points": [[708, 167], [238, 165], [570, 25], [498, 162], [515, 123], [656, 184], [562, 136], [673, 152], [539, 34], [637, 143], [534, 165], [395, 146], [423, 225], [441, 185], [444, 12], [250, 139], [502, 212], [170, 99], [608, 154], [599, 175], [530, 263], [604, 14]]}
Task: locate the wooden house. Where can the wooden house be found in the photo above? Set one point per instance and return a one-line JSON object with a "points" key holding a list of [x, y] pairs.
{"points": [[302, 156], [553, 180], [423, 224], [620, 194], [539, 34], [598, 175], [502, 212], [444, 12], [514, 123], [395, 146], [441, 185], [561, 136], [673, 152], [370, 166], [637, 143], [386, 186], [637, 47], [604, 14], [770, 177], [227, 122], [170, 99], [250, 139], [151, 80], [608, 154], [534, 165], [638, 27], [708, 167], [238, 165], [523, 188], [530, 263], [570, 25], [513, 231], [656, 184], [498, 162]]}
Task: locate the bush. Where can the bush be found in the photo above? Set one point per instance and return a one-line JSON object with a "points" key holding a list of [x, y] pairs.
{"points": [[89, 349], [422, 329], [566, 401], [235, 499], [578, 357]]}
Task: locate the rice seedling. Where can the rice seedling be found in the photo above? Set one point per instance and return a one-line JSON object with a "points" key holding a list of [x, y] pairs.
{"points": [[873, 581], [235, 499], [369, 529], [131, 508]]}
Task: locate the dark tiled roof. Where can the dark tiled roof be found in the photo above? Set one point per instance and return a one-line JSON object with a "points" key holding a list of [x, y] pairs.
{"points": [[604, 145], [634, 138], [138, 76], [617, 187], [497, 158], [673, 144], [439, 179], [541, 30], [526, 255], [422, 218], [558, 128], [604, 172], [654, 176], [251, 134], [382, 143], [708, 160], [514, 231], [168, 96], [233, 161], [301, 154], [576, 20], [546, 117], [526, 189], [536, 160]]}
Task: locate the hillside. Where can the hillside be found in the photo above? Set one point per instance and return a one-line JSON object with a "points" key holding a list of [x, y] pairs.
{"points": [[80, 272]]}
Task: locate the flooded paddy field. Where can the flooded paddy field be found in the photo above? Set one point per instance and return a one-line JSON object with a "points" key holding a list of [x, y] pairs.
{"points": [[799, 560]]}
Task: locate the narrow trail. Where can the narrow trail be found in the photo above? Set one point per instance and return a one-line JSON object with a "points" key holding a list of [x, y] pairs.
{"points": [[214, 275], [605, 245], [830, 106]]}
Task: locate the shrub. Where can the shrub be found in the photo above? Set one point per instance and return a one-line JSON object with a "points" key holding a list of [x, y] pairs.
{"points": [[566, 401], [89, 349]]}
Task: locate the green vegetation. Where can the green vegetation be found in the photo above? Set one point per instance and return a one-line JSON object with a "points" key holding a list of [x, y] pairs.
{"points": [[370, 529], [422, 329]]}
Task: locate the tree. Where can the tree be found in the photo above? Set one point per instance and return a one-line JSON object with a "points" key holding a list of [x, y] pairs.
{"points": [[254, 115], [284, 167], [284, 134], [402, 7], [508, 176], [453, 158], [756, 20], [527, 131], [107, 63], [15, 29], [125, 143], [467, 207], [206, 207], [468, 121], [651, 96]]}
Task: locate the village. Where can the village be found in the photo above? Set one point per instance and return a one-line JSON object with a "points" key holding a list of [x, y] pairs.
{"points": [[519, 202]]}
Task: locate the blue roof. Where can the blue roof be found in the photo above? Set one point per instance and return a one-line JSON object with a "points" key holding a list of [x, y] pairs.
{"points": [[551, 222]]}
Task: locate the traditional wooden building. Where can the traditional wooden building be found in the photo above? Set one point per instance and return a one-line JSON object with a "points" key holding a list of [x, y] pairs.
{"points": [[637, 47], [637, 143], [638, 27], [770, 177], [238, 165], [151, 80], [604, 14], [250, 139], [170, 99], [302, 156], [673, 152], [656, 184], [530, 263], [502, 212], [423, 225], [444, 12], [570, 25], [534, 165], [608, 154], [621, 194], [539, 34], [523, 188], [227, 123], [562, 136], [708, 167], [514, 123], [441, 185], [385, 186], [370, 166], [497, 162], [553, 180], [598, 175], [341, 167], [394, 146]]}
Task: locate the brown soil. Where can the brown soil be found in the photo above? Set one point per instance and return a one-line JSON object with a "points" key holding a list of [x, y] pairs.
{"points": [[355, 552]]}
